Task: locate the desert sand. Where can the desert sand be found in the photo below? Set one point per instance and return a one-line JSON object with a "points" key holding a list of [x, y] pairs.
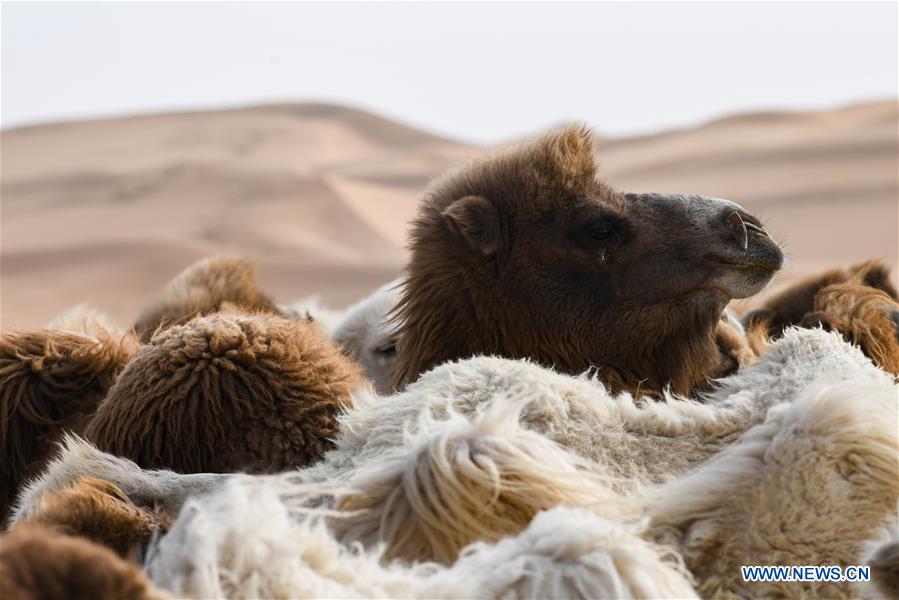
{"points": [[319, 196]]}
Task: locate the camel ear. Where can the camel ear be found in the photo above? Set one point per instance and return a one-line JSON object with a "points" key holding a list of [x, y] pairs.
{"points": [[475, 219]]}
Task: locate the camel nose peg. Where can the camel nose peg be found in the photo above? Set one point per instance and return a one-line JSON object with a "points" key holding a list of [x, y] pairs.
{"points": [[738, 229]]}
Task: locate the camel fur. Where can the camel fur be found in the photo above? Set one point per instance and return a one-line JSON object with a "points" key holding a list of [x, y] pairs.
{"points": [[865, 316], [363, 330], [201, 289], [83, 318], [809, 486], [790, 306], [228, 392], [461, 481], [50, 381], [839, 440], [215, 547], [100, 511], [311, 308], [37, 563], [164, 490], [642, 441]]}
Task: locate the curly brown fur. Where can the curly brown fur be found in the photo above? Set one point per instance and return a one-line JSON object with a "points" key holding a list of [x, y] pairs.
{"points": [[37, 563], [228, 392], [101, 512], [865, 316], [50, 381], [790, 306], [201, 289], [525, 254]]}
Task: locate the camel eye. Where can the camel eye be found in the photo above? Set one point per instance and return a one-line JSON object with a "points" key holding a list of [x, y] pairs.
{"points": [[387, 348], [595, 228], [600, 234]]}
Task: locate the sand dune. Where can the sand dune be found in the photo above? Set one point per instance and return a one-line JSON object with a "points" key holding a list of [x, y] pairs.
{"points": [[319, 196]]}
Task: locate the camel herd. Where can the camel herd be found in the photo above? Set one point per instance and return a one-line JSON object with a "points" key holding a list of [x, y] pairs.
{"points": [[553, 401]]}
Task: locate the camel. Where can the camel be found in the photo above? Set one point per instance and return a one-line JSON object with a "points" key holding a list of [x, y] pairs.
{"points": [[524, 253]]}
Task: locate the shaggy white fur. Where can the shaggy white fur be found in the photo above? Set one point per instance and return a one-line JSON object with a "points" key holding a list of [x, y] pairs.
{"points": [[457, 481], [165, 489], [809, 486], [644, 440], [241, 543], [573, 553]]}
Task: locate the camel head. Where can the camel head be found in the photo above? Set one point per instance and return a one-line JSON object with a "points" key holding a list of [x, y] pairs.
{"points": [[525, 253]]}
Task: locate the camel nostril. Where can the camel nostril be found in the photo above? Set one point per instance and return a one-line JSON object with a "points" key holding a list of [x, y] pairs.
{"points": [[755, 228], [738, 229]]}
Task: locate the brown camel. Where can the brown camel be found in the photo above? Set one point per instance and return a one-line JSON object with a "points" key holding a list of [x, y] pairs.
{"points": [[525, 254]]}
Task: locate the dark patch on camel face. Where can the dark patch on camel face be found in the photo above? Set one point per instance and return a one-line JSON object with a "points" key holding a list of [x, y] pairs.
{"points": [[527, 254]]}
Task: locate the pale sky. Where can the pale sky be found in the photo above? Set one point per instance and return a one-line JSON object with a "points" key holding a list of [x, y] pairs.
{"points": [[477, 72]]}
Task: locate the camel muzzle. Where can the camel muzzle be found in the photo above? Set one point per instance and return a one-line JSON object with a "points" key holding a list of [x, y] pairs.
{"points": [[719, 233]]}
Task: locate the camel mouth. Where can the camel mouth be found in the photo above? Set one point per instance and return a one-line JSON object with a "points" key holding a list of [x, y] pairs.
{"points": [[765, 266], [744, 273]]}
